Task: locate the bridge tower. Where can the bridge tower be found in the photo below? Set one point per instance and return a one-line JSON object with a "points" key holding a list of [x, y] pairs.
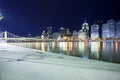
{"points": [[5, 36]]}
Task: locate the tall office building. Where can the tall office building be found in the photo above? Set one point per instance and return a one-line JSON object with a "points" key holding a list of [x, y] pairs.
{"points": [[111, 24], [85, 28], [118, 29], [99, 22], [105, 31], [62, 31], [49, 30], [94, 31], [108, 29], [68, 33]]}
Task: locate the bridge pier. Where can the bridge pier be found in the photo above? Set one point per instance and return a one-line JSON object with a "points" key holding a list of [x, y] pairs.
{"points": [[5, 36]]}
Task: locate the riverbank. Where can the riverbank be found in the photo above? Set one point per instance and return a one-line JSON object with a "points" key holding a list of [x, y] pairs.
{"points": [[17, 63]]}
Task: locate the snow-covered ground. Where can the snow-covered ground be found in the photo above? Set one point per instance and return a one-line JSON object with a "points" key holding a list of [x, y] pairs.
{"points": [[17, 63]]}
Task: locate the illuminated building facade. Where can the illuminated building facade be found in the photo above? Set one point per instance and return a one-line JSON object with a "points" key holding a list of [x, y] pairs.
{"points": [[79, 35], [49, 33], [43, 36], [108, 29], [83, 34], [75, 35], [62, 31], [118, 29], [85, 28], [94, 31], [64, 34], [55, 36], [105, 31]]}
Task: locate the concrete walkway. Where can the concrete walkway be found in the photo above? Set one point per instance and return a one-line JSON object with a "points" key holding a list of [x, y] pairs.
{"points": [[18, 63]]}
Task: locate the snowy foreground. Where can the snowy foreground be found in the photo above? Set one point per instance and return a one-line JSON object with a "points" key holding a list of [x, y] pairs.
{"points": [[17, 63]]}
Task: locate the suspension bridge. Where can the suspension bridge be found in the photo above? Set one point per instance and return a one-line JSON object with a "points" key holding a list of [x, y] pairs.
{"points": [[7, 36]]}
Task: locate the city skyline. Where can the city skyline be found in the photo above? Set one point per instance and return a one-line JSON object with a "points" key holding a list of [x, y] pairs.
{"points": [[109, 29], [27, 16]]}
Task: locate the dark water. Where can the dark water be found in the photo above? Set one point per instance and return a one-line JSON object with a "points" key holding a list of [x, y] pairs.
{"points": [[104, 51]]}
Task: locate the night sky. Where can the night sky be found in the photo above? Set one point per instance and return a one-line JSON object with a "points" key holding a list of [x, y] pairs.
{"points": [[33, 16]]}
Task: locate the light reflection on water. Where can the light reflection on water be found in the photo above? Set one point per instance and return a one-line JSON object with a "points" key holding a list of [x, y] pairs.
{"points": [[105, 51]]}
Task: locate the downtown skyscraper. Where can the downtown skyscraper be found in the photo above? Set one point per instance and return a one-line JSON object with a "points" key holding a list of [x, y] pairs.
{"points": [[94, 31], [118, 29], [109, 29]]}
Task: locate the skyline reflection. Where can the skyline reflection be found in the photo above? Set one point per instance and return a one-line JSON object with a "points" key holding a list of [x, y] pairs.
{"points": [[105, 51]]}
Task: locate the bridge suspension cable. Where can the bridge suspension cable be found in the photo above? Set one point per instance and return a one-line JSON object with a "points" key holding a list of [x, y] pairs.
{"points": [[10, 35]]}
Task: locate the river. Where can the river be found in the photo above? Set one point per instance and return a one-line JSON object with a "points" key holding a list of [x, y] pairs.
{"points": [[103, 51]]}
